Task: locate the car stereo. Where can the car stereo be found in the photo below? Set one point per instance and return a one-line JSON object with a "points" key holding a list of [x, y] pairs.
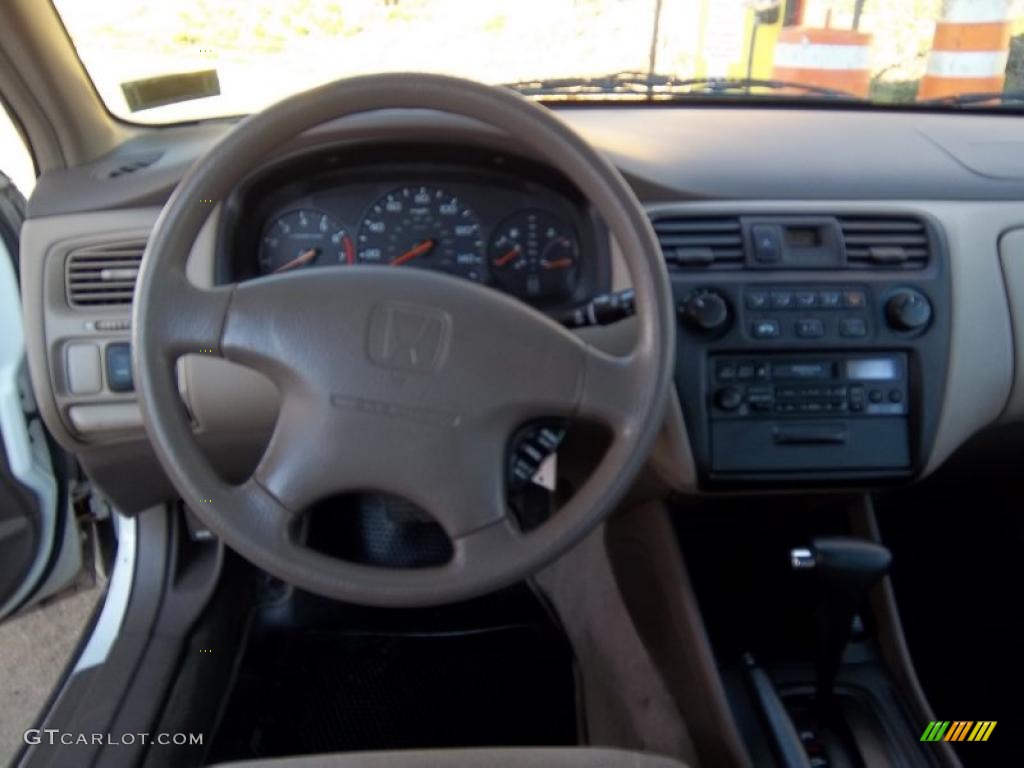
{"points": [[785, 412]]}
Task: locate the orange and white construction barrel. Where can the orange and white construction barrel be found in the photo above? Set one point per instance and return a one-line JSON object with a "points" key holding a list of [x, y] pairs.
{"points": [[839, 59], [969, 53]]}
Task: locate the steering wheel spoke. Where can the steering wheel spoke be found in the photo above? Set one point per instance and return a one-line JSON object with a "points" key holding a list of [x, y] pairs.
{"points": [[193, 321], [610, 389]]}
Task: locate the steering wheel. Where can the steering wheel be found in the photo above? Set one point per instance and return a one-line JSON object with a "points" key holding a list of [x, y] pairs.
{"points": [[401, 381]]}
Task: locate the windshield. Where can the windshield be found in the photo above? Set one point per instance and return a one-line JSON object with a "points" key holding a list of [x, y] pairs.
{"points": [[172, 60]]}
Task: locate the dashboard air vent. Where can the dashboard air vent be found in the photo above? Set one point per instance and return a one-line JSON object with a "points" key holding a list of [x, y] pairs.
{"points": [[103, 275], [706, 242], [877, 242]]}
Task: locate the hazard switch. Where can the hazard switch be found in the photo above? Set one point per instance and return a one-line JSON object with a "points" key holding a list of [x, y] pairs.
{"points": [[767, 245]]}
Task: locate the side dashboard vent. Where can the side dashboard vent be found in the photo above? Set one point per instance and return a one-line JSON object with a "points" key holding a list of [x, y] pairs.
{"points": [[706, 242], [103, 275], [878, 242]]}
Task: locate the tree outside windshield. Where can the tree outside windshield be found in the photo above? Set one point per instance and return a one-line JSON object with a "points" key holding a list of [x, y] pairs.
{"points": [[254, 52]]}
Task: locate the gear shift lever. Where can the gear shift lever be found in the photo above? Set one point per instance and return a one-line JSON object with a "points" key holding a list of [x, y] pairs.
{"points": [[846, 570]]}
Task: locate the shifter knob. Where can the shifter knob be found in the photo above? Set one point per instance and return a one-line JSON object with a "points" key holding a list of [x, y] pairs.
{"points": [[846, 570]]}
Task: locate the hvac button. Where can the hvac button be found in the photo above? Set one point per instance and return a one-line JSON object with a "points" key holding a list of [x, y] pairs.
{"points": [[853, 327], [765, 329], [854, 299], [757, 299], [810, 328]]}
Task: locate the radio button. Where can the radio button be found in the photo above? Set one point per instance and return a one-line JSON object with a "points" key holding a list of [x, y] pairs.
{"points": [[895, 396], [853, 327], [729, 398], [745, 372], [810, 328], [726, 371], [782, 299], [765, 329]]}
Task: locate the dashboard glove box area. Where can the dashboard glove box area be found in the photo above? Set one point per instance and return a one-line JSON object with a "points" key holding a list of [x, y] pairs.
{"points": [[880, 443]]}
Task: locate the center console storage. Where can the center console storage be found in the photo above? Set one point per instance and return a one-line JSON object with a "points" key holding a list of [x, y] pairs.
{"points": [[810, 347]]}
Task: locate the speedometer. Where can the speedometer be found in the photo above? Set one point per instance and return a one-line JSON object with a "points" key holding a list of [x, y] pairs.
{"points": [[425, 227]]}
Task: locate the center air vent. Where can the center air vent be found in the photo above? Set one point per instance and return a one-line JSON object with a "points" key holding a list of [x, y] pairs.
{"points": [[708, 242], [877, 242], [103, 275]]}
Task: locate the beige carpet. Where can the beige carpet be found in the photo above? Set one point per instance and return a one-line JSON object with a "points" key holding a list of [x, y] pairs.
{"points": [[34, 649]]}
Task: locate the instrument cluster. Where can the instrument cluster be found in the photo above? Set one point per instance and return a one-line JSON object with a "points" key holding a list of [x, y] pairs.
{"points": [[526, 239]]}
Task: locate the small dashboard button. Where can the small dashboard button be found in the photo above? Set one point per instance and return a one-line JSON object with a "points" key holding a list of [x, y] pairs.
{"points": [[757, 300], [810, 328], [830, 299], [782, 299], [806, 299], [765, 329], [854, 299], [853, 327], [767, 246]]}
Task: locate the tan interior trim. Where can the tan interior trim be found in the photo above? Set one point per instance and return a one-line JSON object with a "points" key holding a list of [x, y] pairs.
{"points": [[1011, 254], [891, 639], [656, 590]]}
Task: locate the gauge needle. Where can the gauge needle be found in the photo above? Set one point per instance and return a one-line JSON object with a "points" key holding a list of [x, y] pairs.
{"points": [[412, 253], [557, 263], [303, 258], [501, 261]]}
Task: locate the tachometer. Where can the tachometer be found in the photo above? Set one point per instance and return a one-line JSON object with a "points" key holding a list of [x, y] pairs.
{"points": [[424, 227], [534, 254], [302, 238]]}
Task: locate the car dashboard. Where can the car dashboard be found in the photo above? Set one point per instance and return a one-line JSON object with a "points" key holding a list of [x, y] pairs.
{"points": [[848, 283]]}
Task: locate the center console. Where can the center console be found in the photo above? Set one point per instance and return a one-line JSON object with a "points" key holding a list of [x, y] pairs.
{"points": [[810, 347]]}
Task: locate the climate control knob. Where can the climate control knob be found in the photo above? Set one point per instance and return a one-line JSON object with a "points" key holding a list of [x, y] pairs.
{"points": [[705, 310], [908, 310]]}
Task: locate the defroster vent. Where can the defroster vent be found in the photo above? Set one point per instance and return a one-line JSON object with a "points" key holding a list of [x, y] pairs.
{"points": [[103, 275]]}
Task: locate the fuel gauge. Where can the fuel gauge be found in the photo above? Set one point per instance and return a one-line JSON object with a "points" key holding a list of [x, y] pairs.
{"points": [[535, 255]]}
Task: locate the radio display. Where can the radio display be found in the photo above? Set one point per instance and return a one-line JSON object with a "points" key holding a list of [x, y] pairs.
{"points": [[873, 369]]}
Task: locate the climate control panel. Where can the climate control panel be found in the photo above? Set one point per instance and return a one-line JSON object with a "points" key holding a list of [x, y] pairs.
{"points": [[827, 365]]}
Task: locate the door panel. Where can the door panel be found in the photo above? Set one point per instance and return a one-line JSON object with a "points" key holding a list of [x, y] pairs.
{"points": [[28, 489]]}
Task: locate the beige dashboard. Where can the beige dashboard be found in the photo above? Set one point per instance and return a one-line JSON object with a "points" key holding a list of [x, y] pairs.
{"points": [[234, 409]]}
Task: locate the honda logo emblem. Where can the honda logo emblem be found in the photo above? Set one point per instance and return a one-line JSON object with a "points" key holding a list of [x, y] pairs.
{"points": [[408, 337]]}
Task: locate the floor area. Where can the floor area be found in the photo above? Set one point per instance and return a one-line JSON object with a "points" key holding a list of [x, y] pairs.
{"points": [[34, 649]]}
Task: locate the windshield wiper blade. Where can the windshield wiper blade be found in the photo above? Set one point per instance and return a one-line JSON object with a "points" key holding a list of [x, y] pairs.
{"points": [[640, 84], [976, 99]]}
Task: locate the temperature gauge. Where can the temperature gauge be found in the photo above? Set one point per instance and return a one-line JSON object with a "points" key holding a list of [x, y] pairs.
{"points": [[535, 255]]}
